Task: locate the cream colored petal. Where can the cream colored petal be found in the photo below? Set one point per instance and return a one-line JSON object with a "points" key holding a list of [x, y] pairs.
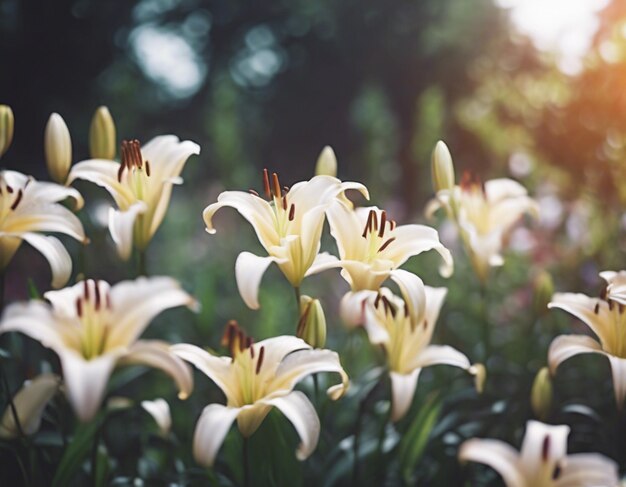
{"points": [[352, 307], [298, 409], [616, 285], [86, 381], [104, 174], [322, 262], [249, 270], [276, 349], [167, 155], [302, 363], [136, 303], [618, 368], [33, 318], [412, 240], [256, 210], [44, 217], [566, 346], [412, 289], [157, 213], [159, 409], [346, 227], [588, 470], [44, 192], [503, 188], [442, 354], [63, 301], [218, 369], [434, 301], [540, 454], [157, 354], [402, 391], [497, 455], [251, 416], [320, 190], [122, 225], [311, 232], [507, 212], [30, 402], [583, 307], [211, 429], [362, 275], [56, 255]]}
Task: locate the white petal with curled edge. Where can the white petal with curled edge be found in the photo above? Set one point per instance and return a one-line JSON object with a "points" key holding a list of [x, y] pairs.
{"points": [[103, 173], [121, 225], [352, 307], [588, 469], [498, 455], [159, 409], [44, 217], [618, 368], [215, 368], [503, 188], [537, 453], [211, 429], [402, 392], [33, 318], [298, 409], [412, 289], [136, 303], [616, 285], [30, 402], [277, 348], [157, 354], [56, 255], [442, 354], [377, 333], [249, 270], [302, 363], [566, 346], [322, 262], [86, 381]]}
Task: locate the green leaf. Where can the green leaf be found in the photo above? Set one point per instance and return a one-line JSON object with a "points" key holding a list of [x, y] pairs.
{"points": [[416, 438], [33, 292]]}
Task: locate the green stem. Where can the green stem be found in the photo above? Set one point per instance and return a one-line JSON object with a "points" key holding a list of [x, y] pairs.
{"points": [[246, 462], [94, 456], [296, 290], [142, 263], [486, 329]]}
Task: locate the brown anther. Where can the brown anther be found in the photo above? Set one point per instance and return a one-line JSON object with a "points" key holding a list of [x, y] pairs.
{"points": [[386, 244], [374, 221], [557, 472], [392, 224], [18, 198], [277, 191], [466, 180], [249, 343], [610, 304], [406, 309], [603, 293], [545, 448], [383, 220], [86, 289], [9, 189], [286, 189], [148, 168], [389, 307], [266, 184], [259, 361], [596, 309], [285, 203], [241, 340], [425, 324], [137, 157], [377, 300], [368, 224], [120, 172], [79, 307], [229, 334], [621, 308], [96, 288], [292, 212], [253, 192]]}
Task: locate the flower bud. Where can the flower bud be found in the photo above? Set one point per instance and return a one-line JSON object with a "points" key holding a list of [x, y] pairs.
{"points": [[480, 374], [159, 409], [326, 163], [541, 394], [312, 324], [442, 167], [543, 289], [6, 128], [58, 148], [102, 143]]}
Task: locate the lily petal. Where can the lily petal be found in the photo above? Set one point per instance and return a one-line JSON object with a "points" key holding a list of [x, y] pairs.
{"points": [[322, 262], [588, 469], [44, 217], [56, 255], [121, 226], [496, 454], [35, 320], [616, 285], [413, 292], [104, 174], [618, 368], [156, 353], [29, 402], [352, 307], [211, 429], [402, 391], [249, 270], [566, 346], [537, 452], [442, 354], [159, 409], [298, 409]]}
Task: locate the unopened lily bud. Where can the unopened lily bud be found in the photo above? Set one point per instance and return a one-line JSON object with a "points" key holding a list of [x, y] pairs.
{"points": [[326, 163], [312, 324], [159, 409], [102, 144], [6, 128], [541, 394], [480, 374], [543, 289], [442, 167], [58, 148]]}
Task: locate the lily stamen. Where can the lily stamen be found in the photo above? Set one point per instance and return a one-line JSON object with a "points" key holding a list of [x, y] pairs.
{"points": [[292, 212], [259, 362], [20, 193], [545, 448], [266, 184], [386, 244], [383, 220]]}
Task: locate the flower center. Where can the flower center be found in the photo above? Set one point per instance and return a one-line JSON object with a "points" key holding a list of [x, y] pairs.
{"points": [[93, 310], [284, 212], [10, 198], [401, 334], [374, 234], [474, 203], [616, 343], [246, 362], [133, 167]]}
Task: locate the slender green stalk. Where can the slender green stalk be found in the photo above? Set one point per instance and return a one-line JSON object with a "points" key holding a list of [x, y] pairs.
{"points": [[246, 462], [297, 293], [486, 328]]}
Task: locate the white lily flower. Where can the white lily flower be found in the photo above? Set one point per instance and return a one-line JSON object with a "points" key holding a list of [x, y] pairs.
{"points": [[407, 343], [606, 318], [159, 409], [542, 461], [258, 377], [615, 285], [93, 327], [371, 250], [29, 207], [289, 226], [484, 214], [141, 186], [29, 402]]}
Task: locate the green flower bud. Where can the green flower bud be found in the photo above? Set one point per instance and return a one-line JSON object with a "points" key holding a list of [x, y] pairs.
{"points": [[543, 289], [102, 143], [6, 128], [442, 167], [541, 394], [326, 163], [312, 324], [58, 148]]}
